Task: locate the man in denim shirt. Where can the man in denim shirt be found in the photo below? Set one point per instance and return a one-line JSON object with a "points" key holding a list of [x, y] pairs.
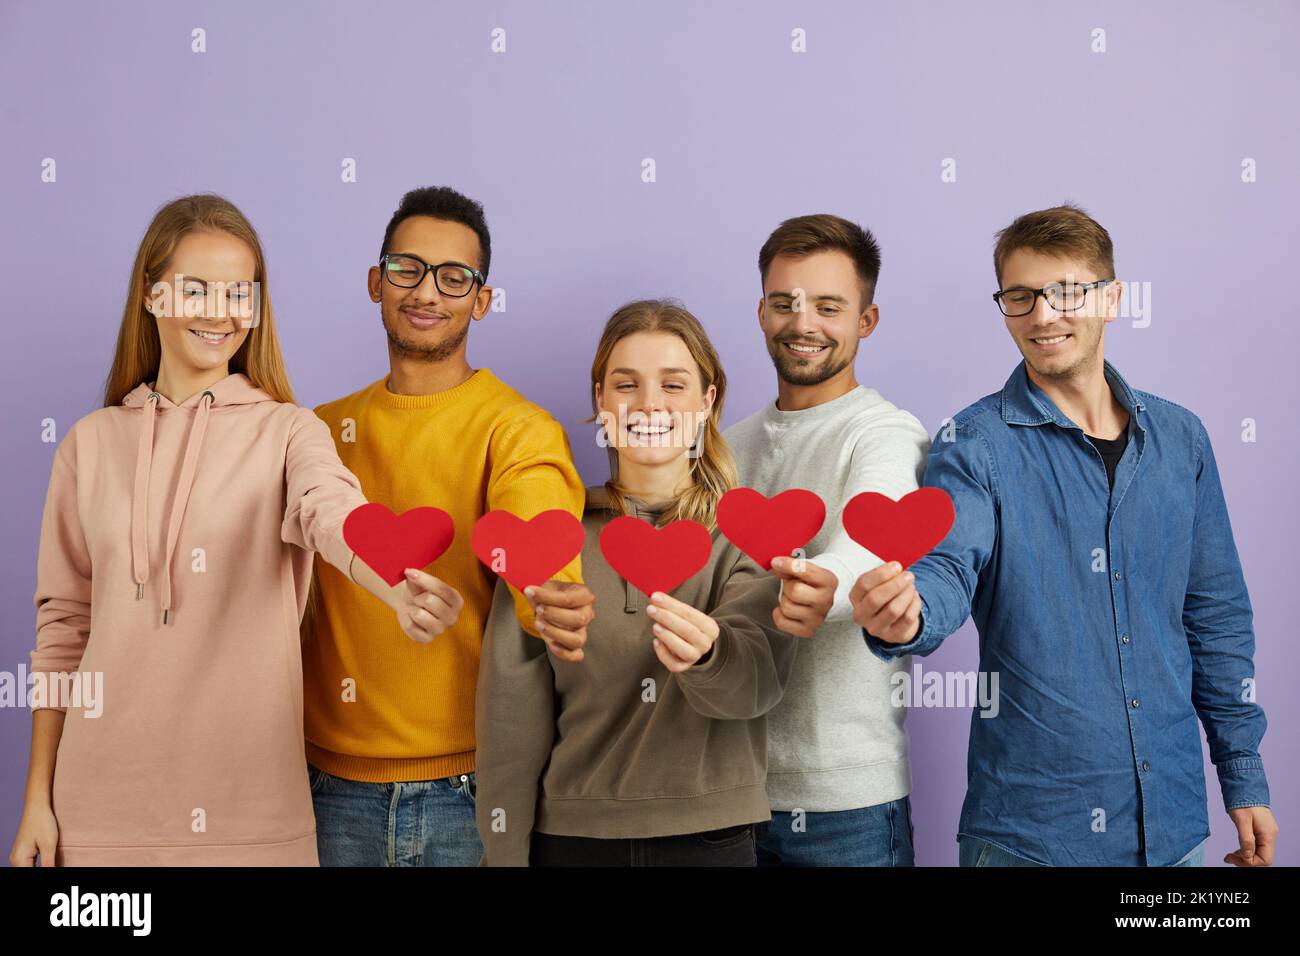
{"points": [[1092, 547]]}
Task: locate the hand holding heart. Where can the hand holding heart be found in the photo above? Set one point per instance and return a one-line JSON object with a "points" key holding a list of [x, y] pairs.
{"points": [[886, 603], [562, 610], [425, 605], [390, 549], [807, 593], [684, 636]]}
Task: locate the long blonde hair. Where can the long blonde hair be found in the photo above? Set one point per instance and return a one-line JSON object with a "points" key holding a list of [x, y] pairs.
{"points": [[713, 470], [138, 348]]}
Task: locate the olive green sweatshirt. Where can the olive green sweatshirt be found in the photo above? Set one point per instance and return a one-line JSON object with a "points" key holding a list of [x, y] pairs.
{"points": [[615, 745]]}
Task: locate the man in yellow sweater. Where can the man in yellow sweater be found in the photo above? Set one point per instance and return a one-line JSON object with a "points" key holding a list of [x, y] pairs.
{"points": [[389, 723]]}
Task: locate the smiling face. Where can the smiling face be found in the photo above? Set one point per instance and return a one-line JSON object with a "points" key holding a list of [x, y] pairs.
{"points": [[812, 314], [651, 399], [200, 315], [1059, 345], [423, 322]]}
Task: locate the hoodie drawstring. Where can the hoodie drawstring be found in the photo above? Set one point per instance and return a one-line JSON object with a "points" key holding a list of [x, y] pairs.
{"points": [[140, 498], [629, 590]]}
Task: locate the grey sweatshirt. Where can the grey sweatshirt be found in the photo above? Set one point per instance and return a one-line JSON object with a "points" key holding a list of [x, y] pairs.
{"points": [[835, 742], [615, 745]]}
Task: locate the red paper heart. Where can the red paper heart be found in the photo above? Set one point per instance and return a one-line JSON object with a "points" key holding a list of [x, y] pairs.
{"points": [[766, 528], [903, 530], [655, 559], [527, 552], [391, 543]]}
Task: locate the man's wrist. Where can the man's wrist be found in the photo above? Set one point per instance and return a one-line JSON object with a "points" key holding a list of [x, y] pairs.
{"points": [[887, 650]]}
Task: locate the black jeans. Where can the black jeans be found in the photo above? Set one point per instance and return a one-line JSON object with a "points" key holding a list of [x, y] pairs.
{"points": [[730, 846]]}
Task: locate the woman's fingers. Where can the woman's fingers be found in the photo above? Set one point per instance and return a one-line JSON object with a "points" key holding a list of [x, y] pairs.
{"points": [[694, 615], [427, 606], [426, 625], [47, 847], [415, 624], [680, 648], [671, 625], [670, 660], [23, 852], [435, 604], [418, 581], [685, 632], [36, 836]]}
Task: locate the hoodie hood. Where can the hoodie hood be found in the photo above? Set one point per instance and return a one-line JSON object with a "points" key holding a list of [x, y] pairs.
{"points": [[234, 389], [598, 499]]}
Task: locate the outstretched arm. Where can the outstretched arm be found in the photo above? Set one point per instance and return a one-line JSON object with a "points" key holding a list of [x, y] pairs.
{"points": [[901, 616], [320, 493]]}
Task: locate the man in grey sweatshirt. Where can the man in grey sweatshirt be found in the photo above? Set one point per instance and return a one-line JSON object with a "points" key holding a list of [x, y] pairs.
{"points": [[838, 775]]}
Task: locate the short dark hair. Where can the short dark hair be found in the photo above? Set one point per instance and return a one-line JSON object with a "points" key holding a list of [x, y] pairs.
{"points": [[804, 235], [1059, 231], [443, 202]]}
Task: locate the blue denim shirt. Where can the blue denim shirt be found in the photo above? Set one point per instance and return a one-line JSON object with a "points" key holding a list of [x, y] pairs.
{"points": [[1113, 619]]}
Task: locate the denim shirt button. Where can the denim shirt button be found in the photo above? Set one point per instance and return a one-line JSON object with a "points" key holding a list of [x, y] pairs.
{"points": [[1146, 765], [1123, 638], [1135, 702], [1117, 576]]}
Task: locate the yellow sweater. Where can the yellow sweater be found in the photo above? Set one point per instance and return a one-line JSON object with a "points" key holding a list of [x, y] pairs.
{"points": [[379, 707]]}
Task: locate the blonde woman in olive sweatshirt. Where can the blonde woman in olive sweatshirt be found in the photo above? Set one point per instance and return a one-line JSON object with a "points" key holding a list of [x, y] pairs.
{"points": [[647, 744]]}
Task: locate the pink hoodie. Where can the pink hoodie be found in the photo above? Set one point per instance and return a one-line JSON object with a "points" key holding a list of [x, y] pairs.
{"points": [[175, 558]]}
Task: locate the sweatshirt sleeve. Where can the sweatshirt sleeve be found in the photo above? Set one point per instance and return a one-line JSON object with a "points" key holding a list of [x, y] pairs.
{"points": [[889, 459], [63, 575], [532, 471], [746, 673], [514, 731], [320, 492]]}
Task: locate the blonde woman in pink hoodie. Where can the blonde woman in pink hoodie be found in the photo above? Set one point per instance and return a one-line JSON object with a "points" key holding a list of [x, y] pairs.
{"points": [[175, 560]]}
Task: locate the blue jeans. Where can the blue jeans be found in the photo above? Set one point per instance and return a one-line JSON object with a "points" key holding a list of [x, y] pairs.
{"points": [[420, 823], [972, 851], [871, 836]]}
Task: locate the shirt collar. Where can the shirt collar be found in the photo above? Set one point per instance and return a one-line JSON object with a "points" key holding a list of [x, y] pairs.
{"points": [[1024, 403]]}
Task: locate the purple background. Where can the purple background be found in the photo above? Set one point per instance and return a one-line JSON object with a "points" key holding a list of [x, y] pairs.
{"points": [[1149, 137]]}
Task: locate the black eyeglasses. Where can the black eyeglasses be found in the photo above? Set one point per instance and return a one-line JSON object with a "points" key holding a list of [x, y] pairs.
{"points": [[1061, 296], [454, 279]]}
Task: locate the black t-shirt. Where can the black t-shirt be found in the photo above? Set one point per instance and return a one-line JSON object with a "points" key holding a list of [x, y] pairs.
{"points": [[1112, 450]]}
